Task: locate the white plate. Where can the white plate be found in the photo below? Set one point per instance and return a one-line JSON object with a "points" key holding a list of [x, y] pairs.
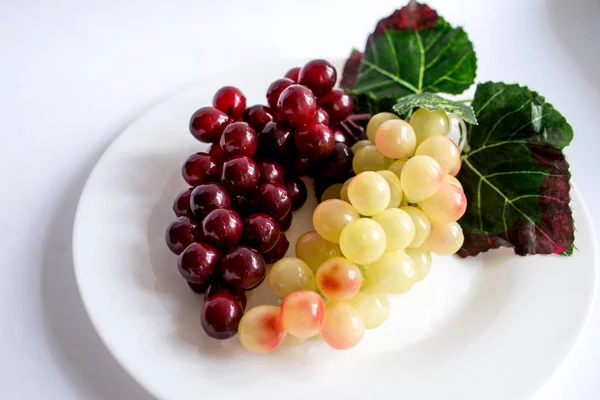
{"points": [[491, 327]]}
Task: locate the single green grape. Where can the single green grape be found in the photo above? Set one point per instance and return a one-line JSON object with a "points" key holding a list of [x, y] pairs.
{"points": [[393, 273], [396, 139], [363, 241], [398, 226], [331, 216], [369, 159], [376, 121], [422, 225], [369, 193], [429, 123], [421, 177]]}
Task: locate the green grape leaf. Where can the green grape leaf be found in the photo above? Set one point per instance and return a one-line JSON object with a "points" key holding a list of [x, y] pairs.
{"points": [[515, 175], [432, 102]]}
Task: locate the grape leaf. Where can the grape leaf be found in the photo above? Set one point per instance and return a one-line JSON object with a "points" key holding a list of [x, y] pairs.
{"points": [[432, 102], [515, 176]]}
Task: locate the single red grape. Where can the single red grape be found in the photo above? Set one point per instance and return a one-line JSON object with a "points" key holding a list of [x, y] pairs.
{"points": [[221, 315], [337, 103], [275, 141], [208, 123], [181, 233], [271, 171], [207, 197], [230, 100], [293, 74], [277, 252], [319, 76], [240, 175], [315, 141], [181, 205], [271, 198], [200, 168], [220, 286], [243, 267], [298, 192], [198, 262], [239, 139], [275, 89], [285, 223], [297, 105], [339, 162], [222, 228], [258, 116], [260, 232]]}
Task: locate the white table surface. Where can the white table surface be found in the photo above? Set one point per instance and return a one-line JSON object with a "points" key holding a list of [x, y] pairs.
{"points": [[74, 74]]}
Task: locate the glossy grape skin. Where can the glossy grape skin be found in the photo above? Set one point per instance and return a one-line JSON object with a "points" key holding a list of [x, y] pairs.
{"points": [[442, 150], [303, 313], [273, 199], [238, 139], [376, 121], [452, 180], [293, 74], [396, 139], [339, 136], [429, 123], [396, 166], [181, 233], [207, 197], [198, 263], [208, 123], [271, 171], [421, 177], [369, 158], [278, 251], [260, 330], [241, 205], [181, 204], [360, 145], [339, 279], [222, 228], [285, 223], [260, 231], [448, 204], [363, 241], [422, 225], [275, 141], [258, 116], [321, 117], [422, 262], [231, 101], [395, 188], [337, 103], [339, 162], [369, 193], [275, 89], [291, 274], [314, 250], [444, 239], [332, 192], [373, 306], [314, 141], [297, 191], [319, 76], [393, 273], [240, 175], [344, 327], [331, 216], [398, 226], [243, 267], [200, 168], [220, 286], [456, 169], [221, 315], [297, 105]]}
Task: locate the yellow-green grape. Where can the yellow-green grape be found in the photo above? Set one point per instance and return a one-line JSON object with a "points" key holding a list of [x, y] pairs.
{"points": [[363, 241], [373, 306], [331, 216], [429, 123], [369, 193], [344, 191], [422, 260], [395, 188], [339, 279], [376, 121], [260, 329], [396, 139], [442, 150], [344, 327], [421, 177], [396, 166], [360, 144], [422, 225], [314, 250], [393, 273], [291, 340], [398, 226], [447, 205], [369, 159], [332, 192], [445, 238], [456, 169], [291, 274], [452, 180]]}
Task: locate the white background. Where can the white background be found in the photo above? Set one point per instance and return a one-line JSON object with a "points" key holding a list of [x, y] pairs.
{"points": [[74, 74]]}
